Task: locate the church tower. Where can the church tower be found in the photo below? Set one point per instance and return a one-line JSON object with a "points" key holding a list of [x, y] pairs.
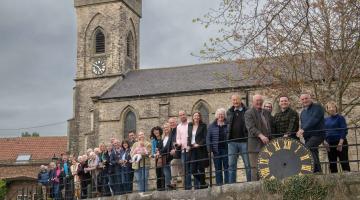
{"points": [[107, 48]]}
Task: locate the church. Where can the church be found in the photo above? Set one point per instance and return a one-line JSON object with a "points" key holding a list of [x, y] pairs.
{"points": [[113, 96]]}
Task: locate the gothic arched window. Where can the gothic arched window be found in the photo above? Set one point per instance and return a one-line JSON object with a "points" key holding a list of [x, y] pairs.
{"points": [[99, 41], [204, 111], [129, 123], [130, 45]]}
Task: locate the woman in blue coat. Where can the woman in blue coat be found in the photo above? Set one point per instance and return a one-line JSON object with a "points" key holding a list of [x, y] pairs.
{"points": [[335, 141], [216, 144]]}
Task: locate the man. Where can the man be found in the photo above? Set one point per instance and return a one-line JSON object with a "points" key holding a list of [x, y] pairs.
{"points": [[131, 138], [175, 163], [67, 181], [181, 142], [238, 138], [312, 127], [287, 120], [259, 124]]}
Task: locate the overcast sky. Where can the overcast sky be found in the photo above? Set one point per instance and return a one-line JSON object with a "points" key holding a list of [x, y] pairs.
{"points": [[38, 51]]}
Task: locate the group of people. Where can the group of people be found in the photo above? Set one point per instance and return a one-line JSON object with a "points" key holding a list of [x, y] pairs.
{"points": [[184, 150]]}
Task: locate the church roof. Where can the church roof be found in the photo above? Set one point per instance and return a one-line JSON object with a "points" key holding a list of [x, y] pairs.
{"points": [[161, 81]]}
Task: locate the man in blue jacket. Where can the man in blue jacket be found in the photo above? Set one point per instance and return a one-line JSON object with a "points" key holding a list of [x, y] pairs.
{"points": [[312, 127]]}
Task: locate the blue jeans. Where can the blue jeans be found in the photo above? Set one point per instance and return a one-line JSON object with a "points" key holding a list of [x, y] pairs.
{"points": [[234, 148], [57, 192], [142, 176], [187, 170], [167, 174], [221, 164]]}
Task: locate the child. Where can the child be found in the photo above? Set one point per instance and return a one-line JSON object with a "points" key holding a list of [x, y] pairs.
{"points": [[138, 151]]}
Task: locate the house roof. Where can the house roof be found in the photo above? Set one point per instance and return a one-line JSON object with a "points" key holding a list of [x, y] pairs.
{"points": [[39, 148], [157, 81]]}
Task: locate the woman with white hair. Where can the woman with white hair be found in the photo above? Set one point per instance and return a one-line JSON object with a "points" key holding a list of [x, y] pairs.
{"points": [[216, 145]]}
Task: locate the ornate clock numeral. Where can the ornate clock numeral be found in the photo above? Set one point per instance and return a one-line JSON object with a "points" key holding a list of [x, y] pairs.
{"points": [[297, 149], [268, 152], [305, 157], [306, 168], [276, 146], [265, 172], [264, 161], [287, 144]]}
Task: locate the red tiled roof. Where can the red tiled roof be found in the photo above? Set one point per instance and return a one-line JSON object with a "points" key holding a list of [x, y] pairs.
{"points": [[40, 148]]}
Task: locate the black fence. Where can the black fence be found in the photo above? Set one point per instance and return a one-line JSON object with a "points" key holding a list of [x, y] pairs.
{"points": [[124, 180]]}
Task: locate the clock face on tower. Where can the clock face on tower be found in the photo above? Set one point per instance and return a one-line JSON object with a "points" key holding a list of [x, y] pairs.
{"points": [[284, 157], [98, 67]]}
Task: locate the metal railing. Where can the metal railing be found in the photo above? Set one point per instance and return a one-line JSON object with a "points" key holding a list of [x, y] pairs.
{"points": [[101, 183]]}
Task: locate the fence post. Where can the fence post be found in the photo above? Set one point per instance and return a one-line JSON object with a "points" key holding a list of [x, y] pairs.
{"points": [[185, 169], [144, 174], [210, 166]]}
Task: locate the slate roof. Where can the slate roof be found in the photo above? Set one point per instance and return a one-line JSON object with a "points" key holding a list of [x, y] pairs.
{"points": [[157, 81], [40, 148]]}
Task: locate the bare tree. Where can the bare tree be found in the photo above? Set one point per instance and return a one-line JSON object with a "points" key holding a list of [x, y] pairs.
{"points": [[296, 45]]}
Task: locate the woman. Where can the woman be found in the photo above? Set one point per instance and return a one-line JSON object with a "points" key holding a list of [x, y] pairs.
{"points": [[156, 140], [163, 155], [335, 141], [199, 160], [125, 166], [74, 169], [104, 164], [215, 140], [141, 169], [93, 164], [84, 176], [56, 177]]}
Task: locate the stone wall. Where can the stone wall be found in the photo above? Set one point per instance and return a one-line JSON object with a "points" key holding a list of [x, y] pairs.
{"points": [[341, 186]]}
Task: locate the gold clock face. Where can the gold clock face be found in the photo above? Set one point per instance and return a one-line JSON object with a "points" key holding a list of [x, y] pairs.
{"points": [[284, 157], [98, 67]]}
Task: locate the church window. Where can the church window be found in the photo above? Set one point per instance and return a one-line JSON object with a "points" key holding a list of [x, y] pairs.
{"points": [[130, 45], [129, 123], [204, 111], [92, 124], [99, 41]]}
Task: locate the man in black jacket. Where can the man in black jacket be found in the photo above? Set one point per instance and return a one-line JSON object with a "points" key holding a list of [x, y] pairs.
{"points": [[238, 138]]}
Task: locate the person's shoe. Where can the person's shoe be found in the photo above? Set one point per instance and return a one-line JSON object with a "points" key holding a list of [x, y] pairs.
{"points": [[172, 186]]}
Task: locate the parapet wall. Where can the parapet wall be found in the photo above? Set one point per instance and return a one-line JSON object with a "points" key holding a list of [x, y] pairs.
{"points": [[341, 186]]}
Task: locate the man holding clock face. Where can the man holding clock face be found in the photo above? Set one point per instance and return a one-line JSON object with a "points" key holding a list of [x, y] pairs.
{"points": [[259, 124]]}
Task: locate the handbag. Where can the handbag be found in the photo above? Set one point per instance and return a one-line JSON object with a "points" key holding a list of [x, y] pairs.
{"points": [[161, 161]]}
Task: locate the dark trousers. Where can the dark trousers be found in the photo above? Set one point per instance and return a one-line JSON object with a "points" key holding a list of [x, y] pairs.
{"points": [[105, 183], [131, 179], [313, 143], [69, 187], [84, 192], [160, 179], [197, 169], [343, 156], [125, 178]]}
